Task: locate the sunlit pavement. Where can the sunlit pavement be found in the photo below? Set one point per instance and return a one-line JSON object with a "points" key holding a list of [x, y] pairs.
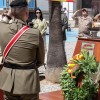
{"points": [[71, 35]]}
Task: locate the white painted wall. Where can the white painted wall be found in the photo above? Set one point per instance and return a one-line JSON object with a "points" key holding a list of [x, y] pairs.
{"points": [[71, 7], [43, 5]]}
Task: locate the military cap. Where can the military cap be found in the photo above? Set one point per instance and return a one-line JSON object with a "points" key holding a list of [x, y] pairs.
{"points": [[84, 9], [18, 3]]}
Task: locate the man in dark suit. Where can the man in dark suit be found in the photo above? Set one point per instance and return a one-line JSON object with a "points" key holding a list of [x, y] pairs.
{"points": [[64, 21]]}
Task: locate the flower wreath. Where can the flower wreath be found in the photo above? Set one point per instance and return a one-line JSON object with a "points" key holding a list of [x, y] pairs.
{"points": [[75, 78]]}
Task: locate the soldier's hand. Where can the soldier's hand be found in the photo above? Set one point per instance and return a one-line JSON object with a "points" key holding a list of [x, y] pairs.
{"points": [[79, 10], [9, 12]]}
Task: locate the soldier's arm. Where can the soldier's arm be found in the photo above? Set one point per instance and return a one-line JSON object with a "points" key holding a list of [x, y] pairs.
{"points": [[97, 16], [7, 16], [74, 16], [9, 12]]}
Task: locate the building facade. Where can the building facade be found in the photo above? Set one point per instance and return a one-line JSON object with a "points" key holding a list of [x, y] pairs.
{"points": [[91, 5]]}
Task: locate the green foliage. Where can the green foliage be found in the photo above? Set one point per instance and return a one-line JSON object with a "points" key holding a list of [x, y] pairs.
{"points": [[89, 89]]}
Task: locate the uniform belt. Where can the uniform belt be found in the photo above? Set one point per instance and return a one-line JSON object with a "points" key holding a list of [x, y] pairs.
{"points": [[16, 66]]}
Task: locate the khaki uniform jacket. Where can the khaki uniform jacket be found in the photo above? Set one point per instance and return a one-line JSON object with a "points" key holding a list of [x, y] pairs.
{"points": [[84, 24], [28, 49]]}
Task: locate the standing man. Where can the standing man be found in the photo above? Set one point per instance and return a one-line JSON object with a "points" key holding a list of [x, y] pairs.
{"points": [[64, 21], [19, 77], [65, 11], [84, 21]]}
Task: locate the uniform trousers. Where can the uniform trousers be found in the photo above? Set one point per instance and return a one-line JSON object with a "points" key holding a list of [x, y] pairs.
{"points": [[10, 96]]}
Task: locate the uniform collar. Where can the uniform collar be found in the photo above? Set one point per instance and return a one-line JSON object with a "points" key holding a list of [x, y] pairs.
{"points": [[19, 21], [16, 24], [85, 17]]}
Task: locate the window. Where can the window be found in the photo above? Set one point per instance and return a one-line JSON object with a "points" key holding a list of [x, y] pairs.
{"points": [[86, 3]]}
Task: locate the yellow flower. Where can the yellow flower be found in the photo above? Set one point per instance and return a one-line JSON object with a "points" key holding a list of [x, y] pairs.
{"points": [[81, 56], [78, 57], [71, 65], [69, 70], [72, 76]]}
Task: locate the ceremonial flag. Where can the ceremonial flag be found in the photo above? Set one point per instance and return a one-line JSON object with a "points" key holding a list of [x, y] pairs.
{"points": [[64, 0]]}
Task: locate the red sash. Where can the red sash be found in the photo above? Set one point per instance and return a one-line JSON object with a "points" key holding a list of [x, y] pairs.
{"points": [[11, 43], [14, 40]]}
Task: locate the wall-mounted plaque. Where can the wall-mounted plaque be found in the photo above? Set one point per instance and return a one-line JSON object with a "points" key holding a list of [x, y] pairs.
{"points": [[88, 46]]}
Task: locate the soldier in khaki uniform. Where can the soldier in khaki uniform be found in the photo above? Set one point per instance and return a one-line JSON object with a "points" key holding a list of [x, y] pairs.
{"points": [[84, 21], [19, 78]]}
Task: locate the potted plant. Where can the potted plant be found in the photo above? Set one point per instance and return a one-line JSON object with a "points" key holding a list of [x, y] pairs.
{"points": [[76, 81]]}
